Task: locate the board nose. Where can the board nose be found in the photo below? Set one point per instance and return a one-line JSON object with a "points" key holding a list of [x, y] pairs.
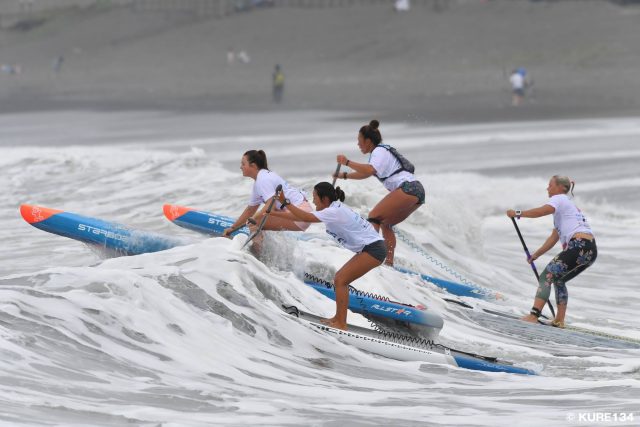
{"points": [[33, 214], [174, 211]]}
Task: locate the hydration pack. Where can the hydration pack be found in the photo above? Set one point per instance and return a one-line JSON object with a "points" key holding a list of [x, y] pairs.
{"points": [[405, 165]]}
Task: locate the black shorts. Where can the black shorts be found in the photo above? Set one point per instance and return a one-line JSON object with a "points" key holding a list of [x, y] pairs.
{"points": [[414, 188], [377, 249]]}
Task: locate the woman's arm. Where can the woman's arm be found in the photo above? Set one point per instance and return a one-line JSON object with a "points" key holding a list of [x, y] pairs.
{"points": [[533, 213], [548, 244], [248, 211], [362, 170], [294, 212]]}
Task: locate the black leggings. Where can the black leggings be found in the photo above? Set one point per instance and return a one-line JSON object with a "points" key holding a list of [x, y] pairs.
{"points": [[578, 256]]}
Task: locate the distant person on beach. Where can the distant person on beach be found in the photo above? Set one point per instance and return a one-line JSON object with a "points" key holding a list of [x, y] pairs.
{"points": [[243, 57], [231, 56], [278, 84], [402, 5], [519, 83], [406, 193], [7, 68], [579, 249], [57, 63], [351, 231], [26, 6], [254, 165]]}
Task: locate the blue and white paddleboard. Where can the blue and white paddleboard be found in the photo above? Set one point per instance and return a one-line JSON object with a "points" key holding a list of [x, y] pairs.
{"points": [[108, 235], [403, 348], [375, 306], [214, 224], [455, 288], [201, 221]]}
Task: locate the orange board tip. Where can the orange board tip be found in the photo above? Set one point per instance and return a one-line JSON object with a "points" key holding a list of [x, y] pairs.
{"points": [[33, 214], [174, 211]]}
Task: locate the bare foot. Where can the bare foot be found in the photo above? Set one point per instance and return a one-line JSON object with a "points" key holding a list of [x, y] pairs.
{"points": [[327, 321], [334, 323], [337, 325], [530, 318]]}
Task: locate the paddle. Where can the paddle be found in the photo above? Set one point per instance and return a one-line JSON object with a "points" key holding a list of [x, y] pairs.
{"points": [[264, 218], [335, 175], [533, 267]]}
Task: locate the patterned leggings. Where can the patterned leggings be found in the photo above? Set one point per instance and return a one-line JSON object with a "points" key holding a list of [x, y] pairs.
{"points": [[577, 257]]}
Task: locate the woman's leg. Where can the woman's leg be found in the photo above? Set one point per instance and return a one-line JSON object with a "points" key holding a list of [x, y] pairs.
{"points": [[355, 268], [550, 275], [583, 253], [394, 208], [390, 240], [278, 224], [578, 256]]}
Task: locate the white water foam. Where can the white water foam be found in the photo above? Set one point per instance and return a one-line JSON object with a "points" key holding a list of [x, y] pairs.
{"points": [[195, 335]]}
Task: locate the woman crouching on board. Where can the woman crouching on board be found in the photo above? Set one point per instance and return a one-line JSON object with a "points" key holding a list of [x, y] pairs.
{"points": [[351, 231], [579, 249], [254, 165], [406, 193]]}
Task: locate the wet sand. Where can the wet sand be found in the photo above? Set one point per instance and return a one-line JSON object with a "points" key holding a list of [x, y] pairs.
{"points": [[450, 65]]}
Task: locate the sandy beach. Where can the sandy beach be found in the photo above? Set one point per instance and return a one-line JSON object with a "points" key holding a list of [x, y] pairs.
{"points": [[426, 65]]}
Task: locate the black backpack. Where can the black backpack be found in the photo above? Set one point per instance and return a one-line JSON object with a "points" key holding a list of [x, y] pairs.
{"points": [[405, 165]]}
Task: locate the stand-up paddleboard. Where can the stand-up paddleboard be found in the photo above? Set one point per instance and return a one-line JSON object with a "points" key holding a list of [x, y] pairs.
{"points": [[543, 331], [201, 221], [455, 288], [109, 235], [377, 308], [404, 348], [214, 224]]}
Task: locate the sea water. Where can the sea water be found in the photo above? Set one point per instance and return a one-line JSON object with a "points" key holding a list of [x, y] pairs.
{"points": [[195, 335]]}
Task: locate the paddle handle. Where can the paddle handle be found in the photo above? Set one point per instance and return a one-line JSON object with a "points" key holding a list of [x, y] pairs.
{"points": [[335, 175], [533, 267]]}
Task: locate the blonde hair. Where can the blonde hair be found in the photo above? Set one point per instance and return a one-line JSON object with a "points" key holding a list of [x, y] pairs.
{"points": [[565, 182]]}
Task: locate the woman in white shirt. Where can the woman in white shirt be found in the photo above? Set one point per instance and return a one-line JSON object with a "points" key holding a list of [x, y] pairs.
{"points": [[351, 231], [579, 248], [406, 193], [254, 165]]}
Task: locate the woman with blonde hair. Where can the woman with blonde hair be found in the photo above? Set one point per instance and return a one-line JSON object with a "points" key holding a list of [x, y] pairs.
{"points": [[579, 250]]}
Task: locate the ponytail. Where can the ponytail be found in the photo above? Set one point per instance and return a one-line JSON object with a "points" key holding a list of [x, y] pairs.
{"points": [[324, 189], [573, 185], [258, 157], [565, 182]]}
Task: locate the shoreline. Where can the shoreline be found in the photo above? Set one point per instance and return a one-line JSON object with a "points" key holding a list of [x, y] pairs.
{"points": [[422, 67], [437, 110]]}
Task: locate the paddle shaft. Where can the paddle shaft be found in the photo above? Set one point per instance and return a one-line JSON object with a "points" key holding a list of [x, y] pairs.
{"points": [[335, 175], [264, 218], [533, 267], [233, 230]]}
